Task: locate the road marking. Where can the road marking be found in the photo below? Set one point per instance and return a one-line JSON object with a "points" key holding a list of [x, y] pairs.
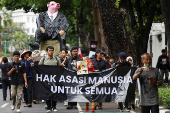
{"points": [[79, 108], [4, 105]]}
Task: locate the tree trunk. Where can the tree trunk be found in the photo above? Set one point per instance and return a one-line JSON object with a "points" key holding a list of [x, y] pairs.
{"points": [[114, 29]]}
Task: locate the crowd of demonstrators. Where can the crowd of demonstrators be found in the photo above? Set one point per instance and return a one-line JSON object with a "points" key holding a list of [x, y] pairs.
{"points": [[163, 65], [149, 80], [28, 64], [18, 75], [50, 60], [17, 72], [5, 79]]}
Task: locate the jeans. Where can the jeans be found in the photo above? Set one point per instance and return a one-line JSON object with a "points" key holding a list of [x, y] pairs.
{"points": [[28, 92], [166, 72], [16, 90], [5, 84]]}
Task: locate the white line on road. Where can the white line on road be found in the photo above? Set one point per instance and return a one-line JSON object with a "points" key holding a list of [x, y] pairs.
{"points": [[4, 105], [79, 108]]}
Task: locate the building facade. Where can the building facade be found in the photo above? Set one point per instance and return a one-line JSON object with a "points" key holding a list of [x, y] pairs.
{"points": [[28, 18], [157, 41]]}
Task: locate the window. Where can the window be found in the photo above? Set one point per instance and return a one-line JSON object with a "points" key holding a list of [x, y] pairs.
{"points": [[28, 19], [32, 19], [28, 30], [32, 30]]}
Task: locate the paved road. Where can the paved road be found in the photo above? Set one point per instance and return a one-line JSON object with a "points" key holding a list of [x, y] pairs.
{"points": [[5, 107]]}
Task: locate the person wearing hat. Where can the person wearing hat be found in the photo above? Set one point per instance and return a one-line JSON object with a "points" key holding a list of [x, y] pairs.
{"points": [[71, 63], [122, 63], [99, 64], [103, 55], [28, 64]]}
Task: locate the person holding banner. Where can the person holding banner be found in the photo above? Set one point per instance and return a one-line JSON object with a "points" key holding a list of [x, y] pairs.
{"points": [[99, 64], [122, 63], [27, 91], [71, 63], [50, 60], [17, 72], [149, 79]]}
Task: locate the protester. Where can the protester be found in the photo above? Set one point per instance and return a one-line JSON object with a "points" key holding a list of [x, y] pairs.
{"points": [[5, 79], [90, 66], [132, 103], [149, 80], [71, 63], [17, 72], [108, 60], [27, 91], [63, 62], [50, 60], [103, 55], [64, 56], [99, 64], [122, 63], [163, 65]]}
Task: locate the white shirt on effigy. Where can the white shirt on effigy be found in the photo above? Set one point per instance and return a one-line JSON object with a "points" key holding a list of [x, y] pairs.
{"points": [[54, 15]]}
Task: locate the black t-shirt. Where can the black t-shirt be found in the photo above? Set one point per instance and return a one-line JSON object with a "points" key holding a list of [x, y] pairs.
{"points": [[3, 67], [163, 62], [17, 75], [100, 64]]}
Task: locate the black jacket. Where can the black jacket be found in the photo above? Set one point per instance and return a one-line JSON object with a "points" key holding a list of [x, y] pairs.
{"points": [[53, 28], [69, 63], [100, 65], [165, 65], [3, 68]]}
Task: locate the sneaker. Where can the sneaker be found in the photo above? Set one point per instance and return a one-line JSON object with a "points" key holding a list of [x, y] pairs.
{"points": [[121, 110], [48, 111], [65, 103], [55, 110], [4, 99], [18, 111], [127, 110], [45, 106], [12, 107]]}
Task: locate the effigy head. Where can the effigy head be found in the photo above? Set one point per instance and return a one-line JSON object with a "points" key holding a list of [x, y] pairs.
{"points": [[53, 5]]}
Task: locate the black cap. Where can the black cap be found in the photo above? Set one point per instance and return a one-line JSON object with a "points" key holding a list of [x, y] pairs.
{"points": [[98, 51], [122, 55]]}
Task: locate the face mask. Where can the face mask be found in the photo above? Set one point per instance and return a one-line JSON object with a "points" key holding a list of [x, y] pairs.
{"points": [[147, 66]]}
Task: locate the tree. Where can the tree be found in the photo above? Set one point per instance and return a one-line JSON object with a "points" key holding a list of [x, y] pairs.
{"points": [[138, 15], [166, 15]]}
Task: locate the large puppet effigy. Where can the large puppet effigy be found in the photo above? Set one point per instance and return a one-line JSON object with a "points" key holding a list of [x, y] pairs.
{"points": [[51, 25]]}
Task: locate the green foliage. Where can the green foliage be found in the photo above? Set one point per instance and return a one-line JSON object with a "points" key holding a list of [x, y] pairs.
{"points": [[164, 97], [117, 3]]}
